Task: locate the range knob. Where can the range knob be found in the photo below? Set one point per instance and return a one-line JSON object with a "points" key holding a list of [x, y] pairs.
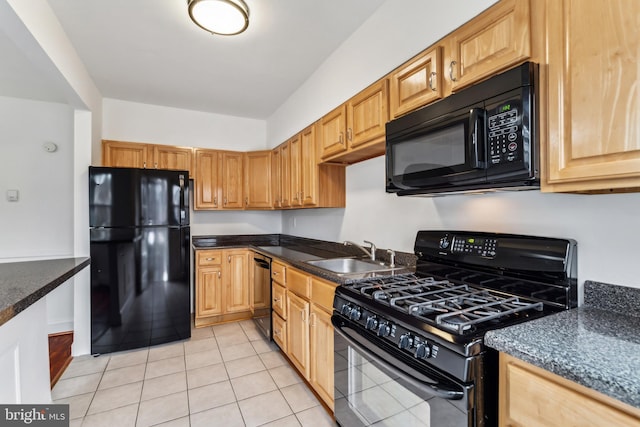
{"points": [[355, 314], [384, 330], [405, 341], [345, 310], [423, 351], [372, 323]]}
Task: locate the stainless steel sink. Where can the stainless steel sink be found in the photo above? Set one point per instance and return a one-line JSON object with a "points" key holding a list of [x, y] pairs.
{"points": [[343, 266]]}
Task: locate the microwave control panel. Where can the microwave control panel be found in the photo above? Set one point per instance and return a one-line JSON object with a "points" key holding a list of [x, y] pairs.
{"points": [[505, 136]]}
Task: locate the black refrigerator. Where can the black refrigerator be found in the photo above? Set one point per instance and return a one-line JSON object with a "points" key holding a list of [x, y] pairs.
{"points": [[140, 257]]}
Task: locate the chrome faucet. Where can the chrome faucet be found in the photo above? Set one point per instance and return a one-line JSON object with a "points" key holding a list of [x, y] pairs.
{"points": [[371, 252], [392, 255]]}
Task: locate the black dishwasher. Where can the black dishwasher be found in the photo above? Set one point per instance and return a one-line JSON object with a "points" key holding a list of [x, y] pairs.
{"points": [[261, 307]]}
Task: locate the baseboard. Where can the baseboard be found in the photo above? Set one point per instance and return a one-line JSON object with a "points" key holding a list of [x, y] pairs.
{"points": [[59, 354]]}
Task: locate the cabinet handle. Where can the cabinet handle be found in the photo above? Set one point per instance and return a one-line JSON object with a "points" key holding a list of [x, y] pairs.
{"points": [[144, 165], [303, 314], [297, 193], [215, 201], [229, 258], [312, 323], [246, 201], [225, 201], [209, 259], [341, 138], [219, 274], [349, 134], [451, 65], [275, 273], [431, 76], [276, 300], [155, 165]]}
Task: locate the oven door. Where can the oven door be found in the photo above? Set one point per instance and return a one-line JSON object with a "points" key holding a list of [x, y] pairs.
{"points": [[434, 153], [374, 388]]}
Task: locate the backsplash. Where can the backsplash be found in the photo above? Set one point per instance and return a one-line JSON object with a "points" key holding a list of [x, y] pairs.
{"points": [[621, 299]]}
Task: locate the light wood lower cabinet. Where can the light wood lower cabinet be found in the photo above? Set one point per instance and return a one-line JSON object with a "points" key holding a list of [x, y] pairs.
{"points": [[298, 332], [222, 288], [321, 353], [533, 397]]}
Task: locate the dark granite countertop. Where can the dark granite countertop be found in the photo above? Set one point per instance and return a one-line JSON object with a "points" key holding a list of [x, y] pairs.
{"points": [[296, 250], [598, 348], [24, 283]]}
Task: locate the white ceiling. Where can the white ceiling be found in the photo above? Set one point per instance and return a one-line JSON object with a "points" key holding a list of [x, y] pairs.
{"points": [[149, 51]]}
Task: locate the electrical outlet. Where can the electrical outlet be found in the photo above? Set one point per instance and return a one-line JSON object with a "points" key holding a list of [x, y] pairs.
{"points": [[12, 195]]}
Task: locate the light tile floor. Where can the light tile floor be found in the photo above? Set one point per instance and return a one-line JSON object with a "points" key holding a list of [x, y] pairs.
{"points": [[226, 375]]}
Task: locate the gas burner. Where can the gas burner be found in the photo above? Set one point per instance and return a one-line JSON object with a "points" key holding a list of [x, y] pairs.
{"points": [[453, 306]]}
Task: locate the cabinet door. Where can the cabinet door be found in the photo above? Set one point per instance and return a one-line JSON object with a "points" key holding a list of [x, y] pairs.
{"points": [[208, 291], [173, 158], [121, 154], [533, 397], [232, 174], [490, 43], [593, 110], [206, 183], [279, 327], [285, 174], [321, 351], [257, 179], [279, 300], [367, 115], [295, 162], [309, 167], [236, 276], [417, 83], [298, 333], [332, 128], [276, 177]]}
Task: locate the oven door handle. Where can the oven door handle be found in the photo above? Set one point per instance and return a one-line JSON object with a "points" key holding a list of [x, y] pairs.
{"points": [[434, 389]]}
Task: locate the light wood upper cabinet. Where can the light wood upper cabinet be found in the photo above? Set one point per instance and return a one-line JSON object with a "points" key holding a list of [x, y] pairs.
{"points": [[593, 114], [276, 177], [417, 83], [367, 115], [257, 180], [232, 178], [285, 175], [173, 158], [308, 167], [491, 42], [122, 154], [149, 156], [533, 397], [295, 170], [207, 179], [332, 132]]}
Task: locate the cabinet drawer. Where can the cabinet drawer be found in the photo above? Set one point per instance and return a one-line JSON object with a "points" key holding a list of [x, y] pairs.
{"points": [[207, 257], [279, 300], [279, 331], [298, 282], [322, 293], [279, 273]]}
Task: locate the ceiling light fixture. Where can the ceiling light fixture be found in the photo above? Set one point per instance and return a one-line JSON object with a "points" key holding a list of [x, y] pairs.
{"points": [[223, 17]]}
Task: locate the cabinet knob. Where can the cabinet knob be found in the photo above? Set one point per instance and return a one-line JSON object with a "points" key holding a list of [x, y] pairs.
{"points": [[209, 259], [431, 76], [219, 274], [451, 65]]}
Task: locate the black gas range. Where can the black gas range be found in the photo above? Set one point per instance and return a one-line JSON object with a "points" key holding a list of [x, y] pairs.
{"points": [[424, 332]]}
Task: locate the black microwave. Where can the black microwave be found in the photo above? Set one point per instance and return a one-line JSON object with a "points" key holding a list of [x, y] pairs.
{"points": [[481, 138]]}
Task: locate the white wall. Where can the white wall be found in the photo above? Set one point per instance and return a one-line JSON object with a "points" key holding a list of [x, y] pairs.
{"points": [[605, 226], [40, 223], [130, 121]]}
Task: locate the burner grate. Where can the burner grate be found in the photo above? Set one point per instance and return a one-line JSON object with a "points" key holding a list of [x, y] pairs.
{"points": [[457, 307]]}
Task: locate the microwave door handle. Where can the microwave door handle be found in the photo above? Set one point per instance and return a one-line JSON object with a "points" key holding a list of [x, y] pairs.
{"points": [[391, 365], [476, 138]]}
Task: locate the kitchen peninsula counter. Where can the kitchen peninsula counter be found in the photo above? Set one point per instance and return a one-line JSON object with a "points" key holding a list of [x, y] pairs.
{"points": [[596, 345], [24, 283]]}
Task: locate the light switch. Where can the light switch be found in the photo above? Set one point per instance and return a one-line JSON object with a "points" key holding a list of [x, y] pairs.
{"points": [[12, 195]]}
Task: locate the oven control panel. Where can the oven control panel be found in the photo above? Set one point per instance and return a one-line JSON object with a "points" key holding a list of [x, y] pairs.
{"points": [[475, 246], [382, 328]]}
